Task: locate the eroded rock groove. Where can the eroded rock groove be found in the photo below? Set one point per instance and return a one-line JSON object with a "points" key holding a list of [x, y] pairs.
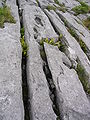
{"points": [[25, 90]]}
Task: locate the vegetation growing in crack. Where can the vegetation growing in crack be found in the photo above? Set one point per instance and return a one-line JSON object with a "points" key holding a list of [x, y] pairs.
{"points": [[37, 2], [83, 78], [83, 45], [81, 9], [50, 7], [23, 43], [58, 3], [87, 23], [74, 34], [5, 15], [51, 41]]}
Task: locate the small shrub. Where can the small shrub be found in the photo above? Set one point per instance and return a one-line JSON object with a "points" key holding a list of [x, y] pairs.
{"points": [[5, 16], [81, 9], [83, 78], [87, 23]]}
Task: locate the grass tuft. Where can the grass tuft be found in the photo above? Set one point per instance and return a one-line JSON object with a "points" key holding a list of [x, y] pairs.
{"points": [[5, 16], [81, 9]]}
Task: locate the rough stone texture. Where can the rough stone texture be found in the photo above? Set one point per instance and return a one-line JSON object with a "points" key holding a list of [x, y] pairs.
{"points": [[45, 3], [41, 105], [11, 104], [74, 49], [74, 23], [69, 3], [73, 103], [38, 23], [23, 3]]}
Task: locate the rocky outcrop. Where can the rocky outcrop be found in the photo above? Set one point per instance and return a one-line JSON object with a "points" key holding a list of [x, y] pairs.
{"points": [[47, 75], [11, 103]]}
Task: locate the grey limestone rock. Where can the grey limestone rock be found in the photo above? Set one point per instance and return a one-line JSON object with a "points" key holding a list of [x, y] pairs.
{"points": [[41, 105], [80, 30], [38, 23], [11, 103], [73, 48], [72, 100]]}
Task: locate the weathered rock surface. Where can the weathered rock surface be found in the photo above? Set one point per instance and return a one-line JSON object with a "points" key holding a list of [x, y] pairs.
{"points": [[51, 81], [11, 104], [73, 103], [40, 26], [41, 105], [69, 3], [74, 23], [73, 50]]}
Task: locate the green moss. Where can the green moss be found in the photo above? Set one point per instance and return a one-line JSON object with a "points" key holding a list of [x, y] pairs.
{"points": [[83, 78], [72, 32], [49, 7], [87, 23], [83, 45], [23, 43], [58, 3], [5, 16], [22, 32], [52, 42], [81, 9]]}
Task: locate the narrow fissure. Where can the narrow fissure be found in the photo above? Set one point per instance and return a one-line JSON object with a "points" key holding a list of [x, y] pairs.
{"points": [[25, 91], [82, 74], [52, 88], [76, 36]]}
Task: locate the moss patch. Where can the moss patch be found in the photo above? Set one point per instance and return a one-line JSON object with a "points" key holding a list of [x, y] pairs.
{"points": [[81, 9], [5, 16], [50, 7], [23, 43], [87, 23], [83, 78]]}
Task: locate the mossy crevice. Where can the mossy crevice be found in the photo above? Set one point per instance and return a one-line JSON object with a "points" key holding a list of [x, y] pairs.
{"points": [[84, 77], [86, 22], [77, 37], [51, 85], [50, 7], [23, 43]]}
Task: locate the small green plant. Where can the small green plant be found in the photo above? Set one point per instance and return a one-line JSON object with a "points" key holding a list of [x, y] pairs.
{"points": [[72, 32], [50, 7], [52, 42], [87, 23], [23, 43], [81, 9], [5, 16], [83, 78], [83, 45], [22, 32], [58, 3], [24, 46]]}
